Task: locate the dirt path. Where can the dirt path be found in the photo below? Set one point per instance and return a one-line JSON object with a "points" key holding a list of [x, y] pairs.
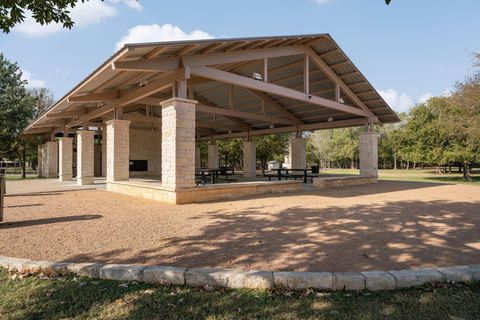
{"points": [[391, 225]]}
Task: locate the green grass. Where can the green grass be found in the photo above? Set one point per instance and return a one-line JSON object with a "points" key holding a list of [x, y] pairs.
{"points": [[81, 298], [13, 177], [418, 175]]}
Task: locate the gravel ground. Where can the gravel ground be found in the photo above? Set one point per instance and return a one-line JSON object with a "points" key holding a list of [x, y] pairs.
{"points": [[390, 225]]}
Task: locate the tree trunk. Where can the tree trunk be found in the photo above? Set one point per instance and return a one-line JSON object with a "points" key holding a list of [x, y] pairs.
{"points": [[408, 164], [449, 167], [395, 160], [466, 172], [23, 161]]}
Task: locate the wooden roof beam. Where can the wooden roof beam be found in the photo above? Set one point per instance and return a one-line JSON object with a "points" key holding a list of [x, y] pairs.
{"points": [[322, 65], [306, 127], [163, 64], [240, 123], [266, 87]]}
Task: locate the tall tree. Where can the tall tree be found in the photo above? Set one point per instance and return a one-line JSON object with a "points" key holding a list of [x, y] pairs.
{"points": [[460, 122], [16, 110]]}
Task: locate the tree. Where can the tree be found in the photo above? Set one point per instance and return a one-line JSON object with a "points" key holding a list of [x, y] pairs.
{"points": [[271, 147], [16, 110], [43, 100], [460, 122], [44, 12], [319, 148], [230, 152]]}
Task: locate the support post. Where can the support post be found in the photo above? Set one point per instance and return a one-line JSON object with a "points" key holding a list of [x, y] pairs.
{"points": [[51, 159], [178, 143], [298, 153], [369, 154], [249, 159], [118, 150], [65, 155], [198, 159], [104, 151], [212, 155], [40, 160], [85, 161]]}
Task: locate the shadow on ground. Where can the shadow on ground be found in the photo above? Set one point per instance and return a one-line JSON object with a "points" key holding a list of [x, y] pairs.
{"points": [[361, 237], [32, 298], [37, 222]]}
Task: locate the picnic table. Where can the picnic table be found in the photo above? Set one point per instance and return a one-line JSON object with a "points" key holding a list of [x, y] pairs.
{"points": [[287, 172], [213, 173]]}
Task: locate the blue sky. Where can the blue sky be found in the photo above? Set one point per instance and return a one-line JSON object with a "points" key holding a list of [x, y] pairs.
{"points": [[409, 50]]}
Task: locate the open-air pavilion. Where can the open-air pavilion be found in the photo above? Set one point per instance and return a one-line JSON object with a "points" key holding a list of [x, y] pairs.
{"points": [[143, 110]]}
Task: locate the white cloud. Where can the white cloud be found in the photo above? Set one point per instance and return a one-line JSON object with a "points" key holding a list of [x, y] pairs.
{"points": [[83, 14], [132, 4], [320, 1], [157, 33], [32, 82], [403, 102], [399, 102], [425, 96]]}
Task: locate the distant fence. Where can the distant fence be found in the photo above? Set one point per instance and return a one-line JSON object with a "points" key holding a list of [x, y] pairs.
{"points": [[15, 167]]}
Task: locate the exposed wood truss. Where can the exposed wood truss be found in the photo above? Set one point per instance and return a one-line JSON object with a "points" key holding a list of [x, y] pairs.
{"points": [[226, 77]]}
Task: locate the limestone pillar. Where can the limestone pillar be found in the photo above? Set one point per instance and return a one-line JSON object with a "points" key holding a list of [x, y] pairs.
{"points": [[104, 152], [298, 153], [368, 148], [212, 155], [51, 159], [249, 159], [178, 143], [65, 159], [118, 150], [40, 160], [85, 157], [198, 159]]}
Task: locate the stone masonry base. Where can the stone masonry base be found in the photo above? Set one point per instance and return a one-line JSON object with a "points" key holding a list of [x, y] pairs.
{"points": [[204, 193], [252, 279], [335, 182]]}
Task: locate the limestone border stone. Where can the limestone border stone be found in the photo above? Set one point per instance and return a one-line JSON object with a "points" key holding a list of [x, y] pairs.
{"points": [[251, 279]]}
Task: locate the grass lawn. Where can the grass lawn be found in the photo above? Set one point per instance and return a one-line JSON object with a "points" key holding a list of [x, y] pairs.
{"points": [[19, 177], [81, 298], [427, 175]]}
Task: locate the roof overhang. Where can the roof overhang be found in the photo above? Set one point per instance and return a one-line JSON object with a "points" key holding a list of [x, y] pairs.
{"points": [[219, 74]]}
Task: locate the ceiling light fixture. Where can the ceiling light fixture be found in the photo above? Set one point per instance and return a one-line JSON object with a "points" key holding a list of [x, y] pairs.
{"points": [[257, 76]]}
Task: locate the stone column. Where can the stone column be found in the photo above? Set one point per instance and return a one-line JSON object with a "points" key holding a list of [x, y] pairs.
{"points": [[249, 159], [51, 159], [298, 153], [40, 160], [104, 151], [369, 154], [65, 159], [85, 161], [212, 155], [118, 150], [198, 159], [178, 143]]}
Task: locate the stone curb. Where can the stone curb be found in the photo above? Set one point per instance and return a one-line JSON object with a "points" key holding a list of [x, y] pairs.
{"points": [[251, 279]]}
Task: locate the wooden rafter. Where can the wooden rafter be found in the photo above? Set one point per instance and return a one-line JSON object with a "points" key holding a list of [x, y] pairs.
{"points": [[266, 87]]}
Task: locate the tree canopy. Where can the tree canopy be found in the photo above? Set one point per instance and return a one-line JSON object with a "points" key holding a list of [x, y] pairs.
{"points": [[44, 12], [18, 106]]}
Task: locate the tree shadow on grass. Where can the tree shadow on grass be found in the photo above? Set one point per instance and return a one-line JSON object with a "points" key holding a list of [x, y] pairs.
{"points": [[60, 299]]}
